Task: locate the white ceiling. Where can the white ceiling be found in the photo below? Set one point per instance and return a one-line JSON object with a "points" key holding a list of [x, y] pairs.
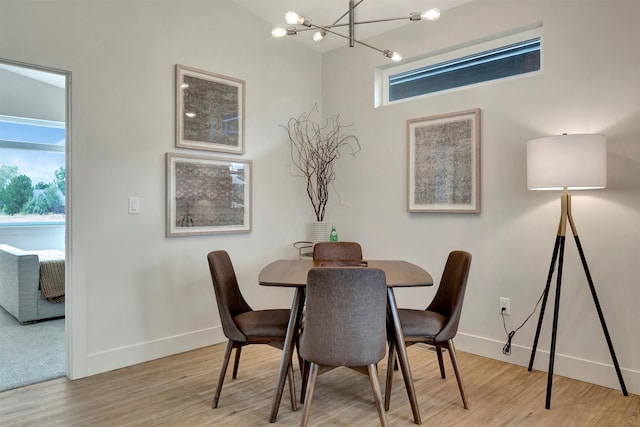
{"points": [[326, 12], [321, 12], [53, 79]]}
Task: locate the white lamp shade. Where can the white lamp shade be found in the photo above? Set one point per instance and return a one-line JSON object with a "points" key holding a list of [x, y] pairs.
{"points": [[578, 162]]}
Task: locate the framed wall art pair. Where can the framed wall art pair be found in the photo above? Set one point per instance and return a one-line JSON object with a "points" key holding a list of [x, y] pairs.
{"points": [[206, 194]]}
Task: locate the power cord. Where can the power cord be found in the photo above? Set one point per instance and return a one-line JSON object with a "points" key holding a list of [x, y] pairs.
{"points": [[507, 347]]}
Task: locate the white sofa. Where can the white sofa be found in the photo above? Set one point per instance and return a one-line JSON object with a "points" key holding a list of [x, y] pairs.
{"points": [[19, 286]]}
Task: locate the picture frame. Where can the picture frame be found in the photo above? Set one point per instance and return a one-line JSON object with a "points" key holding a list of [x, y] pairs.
{"points": [[209, 111], [207, 195], [444, 163]]}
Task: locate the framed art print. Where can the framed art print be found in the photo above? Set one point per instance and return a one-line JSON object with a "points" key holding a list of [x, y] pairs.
{"points": [[207, 195], [209, 111], [444, 163]]}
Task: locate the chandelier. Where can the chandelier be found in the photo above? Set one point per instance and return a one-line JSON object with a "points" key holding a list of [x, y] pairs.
{"points": [[292, 18]]}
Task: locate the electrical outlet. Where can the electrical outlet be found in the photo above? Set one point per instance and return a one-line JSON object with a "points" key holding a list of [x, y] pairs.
{"points": [[505, 305]]}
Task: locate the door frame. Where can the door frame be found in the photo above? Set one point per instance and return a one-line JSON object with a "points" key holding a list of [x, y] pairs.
{"points": [[72, 346]]}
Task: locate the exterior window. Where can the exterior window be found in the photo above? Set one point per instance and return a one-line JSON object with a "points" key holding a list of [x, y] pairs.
{"points": [[32, 172], [514, 53], [507, 61]]}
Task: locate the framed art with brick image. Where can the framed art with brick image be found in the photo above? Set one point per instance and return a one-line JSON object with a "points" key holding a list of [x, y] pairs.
{"points": [[209, 111], [444, 163], [207, 195]]}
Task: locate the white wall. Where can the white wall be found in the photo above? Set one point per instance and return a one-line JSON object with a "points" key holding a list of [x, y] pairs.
{"points": [[590, 84], [134, 294], [34, 238]]}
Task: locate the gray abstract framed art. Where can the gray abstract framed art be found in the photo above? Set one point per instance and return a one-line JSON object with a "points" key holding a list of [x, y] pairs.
{"points": [[444, 163], [209, 111], [207, 195]]}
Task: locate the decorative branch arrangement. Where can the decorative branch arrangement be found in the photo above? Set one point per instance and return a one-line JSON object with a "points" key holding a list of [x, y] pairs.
{"points": [[314, 152]]}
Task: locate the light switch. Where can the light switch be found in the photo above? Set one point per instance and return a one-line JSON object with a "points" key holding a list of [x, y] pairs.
{"points": [[134, 205]]}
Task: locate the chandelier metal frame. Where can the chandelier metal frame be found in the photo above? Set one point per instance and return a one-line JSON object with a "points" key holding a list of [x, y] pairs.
{"points": [[293, 18]]}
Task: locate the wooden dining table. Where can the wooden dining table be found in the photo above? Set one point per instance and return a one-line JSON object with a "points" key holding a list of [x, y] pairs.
{"points": [[293, 273]]}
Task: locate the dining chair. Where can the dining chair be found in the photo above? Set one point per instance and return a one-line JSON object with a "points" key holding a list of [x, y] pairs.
{"points": [[345, 325], [305, 249], [332, 254], [337, 251], [438, 324], [241, 324]]}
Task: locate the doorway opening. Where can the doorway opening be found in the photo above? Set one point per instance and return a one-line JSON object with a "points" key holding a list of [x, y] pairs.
{"points": [[34, 171]]}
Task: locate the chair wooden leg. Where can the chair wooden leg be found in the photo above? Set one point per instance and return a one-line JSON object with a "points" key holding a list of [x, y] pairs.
{"points": [[223, 371], [301, 364], [313, 375], [236, 362], [292, 389], [305, 377], [377, 394], [456, 369], [440, 361], [391, 360], [300, 359]]}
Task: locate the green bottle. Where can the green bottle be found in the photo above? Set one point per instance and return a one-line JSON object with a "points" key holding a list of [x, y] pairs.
{"points": [[333, 237]]}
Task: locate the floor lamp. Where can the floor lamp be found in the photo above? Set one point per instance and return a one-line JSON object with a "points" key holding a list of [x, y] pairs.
{"points": [[567, 162]]}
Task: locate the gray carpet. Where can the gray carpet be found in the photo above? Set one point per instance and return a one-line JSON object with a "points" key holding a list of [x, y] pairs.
{"points": [[30, 354]]}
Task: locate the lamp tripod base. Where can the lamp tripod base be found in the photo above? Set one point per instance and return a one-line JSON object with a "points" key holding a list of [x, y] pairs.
{"points": [[558, 255]]}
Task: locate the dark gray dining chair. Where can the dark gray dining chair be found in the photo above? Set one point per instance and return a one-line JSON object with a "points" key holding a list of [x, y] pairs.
{"points": [[240, 323], [345, 325], [332, 254], [438, 324], [337, 251]]}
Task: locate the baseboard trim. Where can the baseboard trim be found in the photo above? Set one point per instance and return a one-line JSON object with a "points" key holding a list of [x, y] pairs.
{"points": [[568, 366], [117, 358], [564, 365]]}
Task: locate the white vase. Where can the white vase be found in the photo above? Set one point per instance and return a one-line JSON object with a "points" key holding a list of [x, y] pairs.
{"points": [[320, 231]]}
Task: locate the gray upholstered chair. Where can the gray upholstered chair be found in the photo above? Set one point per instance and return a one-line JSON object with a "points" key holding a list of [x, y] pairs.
{"points": [[345, 325], [337, 251], [242, 325], [438, 324], [333, 254]]}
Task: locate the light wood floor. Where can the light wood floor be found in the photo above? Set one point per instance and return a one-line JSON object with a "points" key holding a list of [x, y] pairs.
{"points": [[177, 391]]}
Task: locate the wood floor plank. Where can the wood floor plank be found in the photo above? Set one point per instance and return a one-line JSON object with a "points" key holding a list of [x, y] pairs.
{"points": [[177, 391]]}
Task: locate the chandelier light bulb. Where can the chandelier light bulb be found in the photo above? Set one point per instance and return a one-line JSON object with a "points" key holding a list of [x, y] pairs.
{"points": [[318, 36], [278, 32], [292, 18], [395, 56], [431, 14]]}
